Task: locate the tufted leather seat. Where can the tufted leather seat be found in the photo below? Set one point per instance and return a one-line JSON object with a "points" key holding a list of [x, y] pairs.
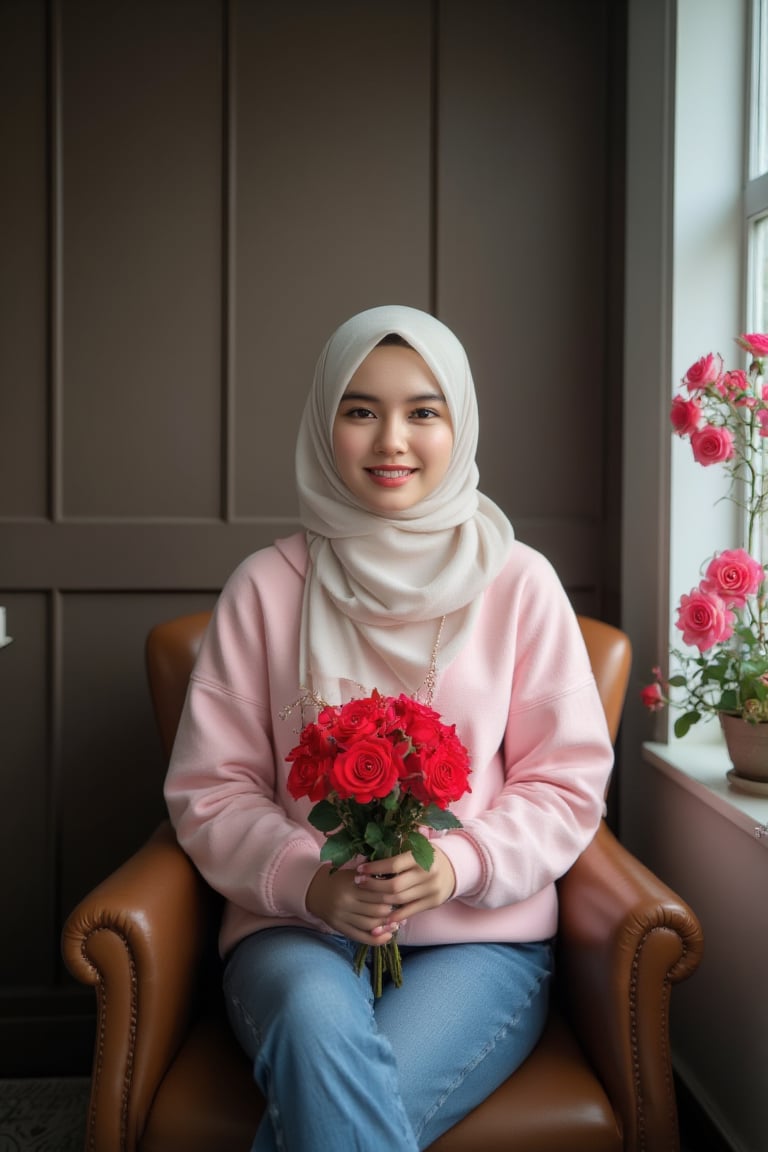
{"points": [[169, 1077]]}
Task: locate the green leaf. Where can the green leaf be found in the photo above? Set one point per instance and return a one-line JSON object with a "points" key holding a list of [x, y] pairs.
{"points": [[678, 681], [439, 818], [338, 849], [759, 690], [686, 722], [382, 851], [373, 834], [423, 852], [324, 816], [391, 801]]}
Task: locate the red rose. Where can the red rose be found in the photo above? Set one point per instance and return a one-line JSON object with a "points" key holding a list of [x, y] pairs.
{"points": [[358, 718], [310, 764], [652, 698], [367, 770], [438, 775], [326, 718], [421, 723]]}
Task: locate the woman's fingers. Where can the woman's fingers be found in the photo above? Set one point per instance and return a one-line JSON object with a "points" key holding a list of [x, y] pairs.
{"points": [[370, 903], [336, 900], [409, 888]]}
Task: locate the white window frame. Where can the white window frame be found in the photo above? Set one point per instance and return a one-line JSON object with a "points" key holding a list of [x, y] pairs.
{"points": [[756, 184], [756, 166]]}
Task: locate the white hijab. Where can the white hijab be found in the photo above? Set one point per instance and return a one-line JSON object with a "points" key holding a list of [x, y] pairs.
{"points": [[378, 588]]}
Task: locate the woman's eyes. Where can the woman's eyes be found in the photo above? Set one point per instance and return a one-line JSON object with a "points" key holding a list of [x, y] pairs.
{"points": [[360, 414], [416, 414]]}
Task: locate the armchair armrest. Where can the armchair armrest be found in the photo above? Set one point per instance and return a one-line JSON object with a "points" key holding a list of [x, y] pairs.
{"points": [[138, 938], [626, 938]]}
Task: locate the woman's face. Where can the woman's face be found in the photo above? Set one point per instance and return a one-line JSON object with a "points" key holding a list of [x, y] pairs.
{"points": [[393, 434]]}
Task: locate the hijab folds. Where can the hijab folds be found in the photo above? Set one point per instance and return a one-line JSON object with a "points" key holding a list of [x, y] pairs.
{"points": [[378, 588]]}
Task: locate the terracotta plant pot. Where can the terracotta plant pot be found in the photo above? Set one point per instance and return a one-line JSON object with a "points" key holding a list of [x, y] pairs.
{"points": [[747, 746]]}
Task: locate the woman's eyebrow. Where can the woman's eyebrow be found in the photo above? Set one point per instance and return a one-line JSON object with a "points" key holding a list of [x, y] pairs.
{"points": [[426, 398]]}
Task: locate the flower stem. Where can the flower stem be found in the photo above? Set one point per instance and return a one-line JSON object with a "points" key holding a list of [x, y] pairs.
{"points": [[385, 958]]}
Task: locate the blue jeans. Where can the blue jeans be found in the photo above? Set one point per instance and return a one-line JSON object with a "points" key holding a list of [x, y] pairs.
{"points": [[342, 1073]]}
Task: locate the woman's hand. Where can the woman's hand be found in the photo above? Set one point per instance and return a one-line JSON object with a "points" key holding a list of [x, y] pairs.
{"points": [[370, 903]]}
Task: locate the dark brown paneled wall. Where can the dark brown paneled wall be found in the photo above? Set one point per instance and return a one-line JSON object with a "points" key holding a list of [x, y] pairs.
{"points": [[193, 193]]}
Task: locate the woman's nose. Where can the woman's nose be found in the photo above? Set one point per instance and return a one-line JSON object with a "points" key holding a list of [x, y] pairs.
{"points": [[391, 437]]}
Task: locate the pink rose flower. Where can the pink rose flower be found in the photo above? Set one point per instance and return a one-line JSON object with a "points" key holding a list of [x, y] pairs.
{"points": [[704, 372], [712, 445], [754, 342], [685, 415], [733, 575], [704, 619], [651, 697], [734, 387], [762, 418]]}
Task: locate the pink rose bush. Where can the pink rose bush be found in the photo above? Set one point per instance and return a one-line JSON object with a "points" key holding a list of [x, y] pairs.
{"points": [[724, 415]]}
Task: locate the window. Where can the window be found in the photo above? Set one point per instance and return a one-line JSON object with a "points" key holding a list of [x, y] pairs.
{"points": [[758, 127], [756, 190], [756, 193]]}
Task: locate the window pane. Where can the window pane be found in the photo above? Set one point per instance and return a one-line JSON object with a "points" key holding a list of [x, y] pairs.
{"points": [[759, 160], [758, 287], [759, 275]]}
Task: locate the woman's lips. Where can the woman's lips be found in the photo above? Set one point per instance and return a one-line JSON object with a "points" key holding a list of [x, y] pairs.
{"points": [[390, 477]]}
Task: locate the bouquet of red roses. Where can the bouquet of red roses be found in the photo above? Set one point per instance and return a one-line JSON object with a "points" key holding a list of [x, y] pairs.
{"points": [[379, 768]]}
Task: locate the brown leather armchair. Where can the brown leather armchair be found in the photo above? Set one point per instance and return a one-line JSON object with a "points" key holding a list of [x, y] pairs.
{"points": [[169, 1077]]}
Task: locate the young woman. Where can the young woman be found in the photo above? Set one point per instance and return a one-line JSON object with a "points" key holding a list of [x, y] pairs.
{"points": [[405, 579]]}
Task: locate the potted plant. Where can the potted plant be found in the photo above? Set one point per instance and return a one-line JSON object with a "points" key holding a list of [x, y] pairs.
{"points": [[724, 620]]}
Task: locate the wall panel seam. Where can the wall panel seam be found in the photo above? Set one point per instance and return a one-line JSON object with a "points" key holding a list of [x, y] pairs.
{"points": [[55, 270], [55, 760], [228, 251], [434, 130]]}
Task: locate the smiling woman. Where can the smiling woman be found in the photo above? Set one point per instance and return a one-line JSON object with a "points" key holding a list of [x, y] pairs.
{"points": [[393, 433], [406, 592]]}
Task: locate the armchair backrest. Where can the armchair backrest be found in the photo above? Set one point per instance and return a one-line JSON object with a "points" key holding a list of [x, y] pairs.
{"points": [[610, 654], [172, 649]]}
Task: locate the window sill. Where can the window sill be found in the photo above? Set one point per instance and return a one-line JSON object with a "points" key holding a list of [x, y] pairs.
{"points": [[700, 768]]}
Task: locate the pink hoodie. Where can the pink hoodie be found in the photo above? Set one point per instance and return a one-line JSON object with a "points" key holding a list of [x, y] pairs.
{"points": [[523, 699]]}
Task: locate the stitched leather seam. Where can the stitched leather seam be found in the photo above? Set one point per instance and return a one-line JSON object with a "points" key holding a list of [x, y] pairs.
{"points": [[663, 1035], [103, 1004]]}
